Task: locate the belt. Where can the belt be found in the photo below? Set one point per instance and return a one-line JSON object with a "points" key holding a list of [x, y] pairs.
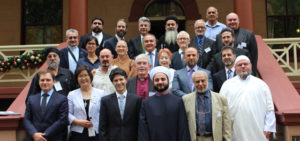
{"points": [[206, 134]]}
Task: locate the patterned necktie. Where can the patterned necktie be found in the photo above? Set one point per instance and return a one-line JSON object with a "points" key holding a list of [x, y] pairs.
{"points": [[200, 47], [191, 79], [201, 114], [44, 102], [122, 105], [229, 74]]}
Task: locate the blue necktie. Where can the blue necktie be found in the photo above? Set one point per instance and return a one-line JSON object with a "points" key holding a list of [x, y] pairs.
{"points": [[151, 59], [229, 74], [122, 105]]}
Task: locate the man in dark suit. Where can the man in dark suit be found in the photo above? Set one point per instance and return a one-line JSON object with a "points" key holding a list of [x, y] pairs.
{"points": [[228, 58], [97, 31], [120, 111], [141, 84], [183, 41], [216, 63], [70, 55], [46, 114], [205, 46], [137, 42], [244, 39], [169, 39], [121, 30], [150, 49], [182, 82]]}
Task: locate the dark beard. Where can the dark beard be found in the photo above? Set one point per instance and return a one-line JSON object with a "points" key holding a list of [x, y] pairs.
{"points": [[97, 30], [121, 34], [161, 89]]}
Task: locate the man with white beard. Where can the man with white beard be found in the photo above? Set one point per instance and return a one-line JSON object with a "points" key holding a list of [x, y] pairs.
{"points": [[64, 80], [249, 99], [169, 39]]}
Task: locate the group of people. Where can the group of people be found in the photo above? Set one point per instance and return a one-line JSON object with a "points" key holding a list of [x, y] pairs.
{"points": [[174, 88]]}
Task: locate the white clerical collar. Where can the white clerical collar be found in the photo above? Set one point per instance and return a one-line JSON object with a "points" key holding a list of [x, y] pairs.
{"points": [[118, 94]]}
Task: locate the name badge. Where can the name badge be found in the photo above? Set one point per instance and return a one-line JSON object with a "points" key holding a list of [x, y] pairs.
{"points": [[239, 46], [57, 86], [243, 44], [207, 50]]}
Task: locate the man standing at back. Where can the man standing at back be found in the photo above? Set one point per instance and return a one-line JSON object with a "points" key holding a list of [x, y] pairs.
{"points": [[97, 31], [169, 39], [213, 26], [249, 97], [46, 114], [137, 43]]}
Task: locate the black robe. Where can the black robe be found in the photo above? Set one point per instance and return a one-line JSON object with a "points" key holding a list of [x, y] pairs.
{"points": [[163, 118]]}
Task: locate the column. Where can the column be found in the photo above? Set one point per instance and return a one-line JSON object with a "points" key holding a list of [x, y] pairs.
{"points": [[78, 15], [244, 9]]}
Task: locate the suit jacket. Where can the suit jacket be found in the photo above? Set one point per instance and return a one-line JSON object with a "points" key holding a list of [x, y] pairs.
{"points": [[64, 57], [111, 45], [209, 49], [177, 63], [181, 83], [216, 63], [219, 78], [136, 45], [132, 82], [77, 108], [156, 60], [52, 122], [221, 123], [84, 37], [244, 39], [112, 126]]}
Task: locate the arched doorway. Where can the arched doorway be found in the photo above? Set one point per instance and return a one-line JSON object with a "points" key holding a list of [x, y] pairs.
{"points": [[157, 11]]}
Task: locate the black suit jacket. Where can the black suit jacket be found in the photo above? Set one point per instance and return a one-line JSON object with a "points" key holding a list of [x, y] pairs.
{"points": [[52, 122], [64, 57], [84, 37], [244, 39], [136, 45], [112, 127], [218, 79], [177, 63], [132, 82], [208, 51], [216, 63], [111, 45], [162, 44]]}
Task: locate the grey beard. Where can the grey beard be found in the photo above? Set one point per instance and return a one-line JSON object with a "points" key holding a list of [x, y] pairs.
{"points": [[244, 75], [170, 36], [52, 64]]}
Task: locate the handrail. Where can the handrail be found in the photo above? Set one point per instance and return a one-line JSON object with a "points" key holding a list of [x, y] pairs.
{"points": [[280, 40]]}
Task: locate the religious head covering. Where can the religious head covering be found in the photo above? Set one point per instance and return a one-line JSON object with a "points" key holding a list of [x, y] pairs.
{"points": [[51, 49], [159, 69], [171, 18], [241, 57]]}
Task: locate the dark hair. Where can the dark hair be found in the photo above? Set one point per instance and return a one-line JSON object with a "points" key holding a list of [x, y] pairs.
{"points": [[43, 72], [228, 47], [82, 68], [227, 30], [97, 18], [171, 18], [89, 38], [115, 72], [123, 20], [51, 49]]}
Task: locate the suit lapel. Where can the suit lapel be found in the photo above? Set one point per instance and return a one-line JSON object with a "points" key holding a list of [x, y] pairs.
{"points": [[223, 77], [128, 101], [214, 110], [193, 113], [186, 78], [114, 100]]}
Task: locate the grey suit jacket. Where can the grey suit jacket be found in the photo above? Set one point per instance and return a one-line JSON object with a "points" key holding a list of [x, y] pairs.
{"points": [[177, 63], [136, 45], [181, 83], [131, 85], [221, 123]]}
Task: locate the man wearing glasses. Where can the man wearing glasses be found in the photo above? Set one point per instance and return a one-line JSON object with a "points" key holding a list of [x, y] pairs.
{"points": [[205, 46], [97, 31], [70, 55], [207, 112], [64, 81]]}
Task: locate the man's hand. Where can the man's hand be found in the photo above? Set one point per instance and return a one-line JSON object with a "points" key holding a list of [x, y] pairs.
{"points": [[267, 134], [39, 136]]}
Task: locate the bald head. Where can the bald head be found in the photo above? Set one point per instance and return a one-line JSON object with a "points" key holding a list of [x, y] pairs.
{"points": [[232, 21], [105, 57]]}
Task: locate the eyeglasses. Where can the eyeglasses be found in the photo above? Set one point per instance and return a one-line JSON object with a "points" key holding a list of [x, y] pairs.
{"points": [[51, 55], [97, 23], [91, 44], [72, 37], [182, 39]]}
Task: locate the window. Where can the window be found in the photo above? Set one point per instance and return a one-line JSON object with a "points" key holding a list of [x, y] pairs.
{"points": [[283, 18], [41, 21]]}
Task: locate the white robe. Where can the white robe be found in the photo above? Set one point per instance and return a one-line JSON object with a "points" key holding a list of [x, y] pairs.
{"points": [[250, 104]]}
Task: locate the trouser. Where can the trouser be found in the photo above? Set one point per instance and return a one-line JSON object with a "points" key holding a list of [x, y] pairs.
{"points": [[202, 138]]}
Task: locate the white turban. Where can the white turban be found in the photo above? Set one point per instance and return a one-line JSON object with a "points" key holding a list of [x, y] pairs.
{"points": [[241, 57], [159, 69]]}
